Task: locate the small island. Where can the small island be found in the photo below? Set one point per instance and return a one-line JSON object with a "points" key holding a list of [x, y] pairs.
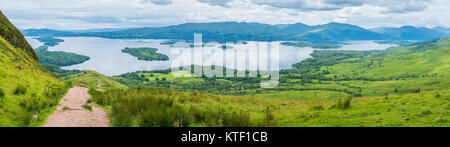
{"points": [[59, 58], [49, 41], [313, 45], [145, 53]]}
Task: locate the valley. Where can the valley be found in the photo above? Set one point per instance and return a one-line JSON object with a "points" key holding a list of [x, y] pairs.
{"points": [[361, 84]]}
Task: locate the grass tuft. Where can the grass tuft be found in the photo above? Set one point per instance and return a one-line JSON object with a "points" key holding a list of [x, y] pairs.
{"points": [[20, 90], [2, 93]]}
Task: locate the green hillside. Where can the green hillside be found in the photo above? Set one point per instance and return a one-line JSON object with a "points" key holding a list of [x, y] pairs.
{"points": [[28, 92], [26, 88], [11, 34]]}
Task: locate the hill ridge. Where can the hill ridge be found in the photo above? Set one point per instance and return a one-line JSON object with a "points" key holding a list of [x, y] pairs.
{"points": [[9, 32]]}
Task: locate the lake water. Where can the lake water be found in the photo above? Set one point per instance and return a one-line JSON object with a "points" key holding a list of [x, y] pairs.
{"points": [[106, 56]]}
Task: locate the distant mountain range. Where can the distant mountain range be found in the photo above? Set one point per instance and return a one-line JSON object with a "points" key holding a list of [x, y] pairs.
{"points": [[413, 33], [236, 31]]}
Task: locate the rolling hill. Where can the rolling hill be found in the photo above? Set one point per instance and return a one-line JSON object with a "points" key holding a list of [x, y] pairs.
{"points": [[339, 32]]}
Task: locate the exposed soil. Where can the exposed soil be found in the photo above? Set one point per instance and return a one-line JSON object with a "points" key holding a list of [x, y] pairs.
{"points": [[71, 113]]}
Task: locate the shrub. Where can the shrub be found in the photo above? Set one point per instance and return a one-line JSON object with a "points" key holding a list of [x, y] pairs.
{"points": [[418, 90], [20, 90], [317, 107], [241, 119], [87, 107], [343, 104], [2, 93], [347, 103], [269, 118], [438, 95], [427, 112]]}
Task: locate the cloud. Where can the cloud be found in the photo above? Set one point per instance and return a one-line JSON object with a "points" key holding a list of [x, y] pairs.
{"points": [[404, 6], [159, 2], [391, 6], [76, 14], [223, 3]]}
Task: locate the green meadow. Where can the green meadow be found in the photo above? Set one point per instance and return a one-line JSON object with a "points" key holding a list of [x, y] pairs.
{"points": [[146, 107]]}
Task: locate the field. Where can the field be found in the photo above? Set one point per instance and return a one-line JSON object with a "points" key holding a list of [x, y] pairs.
{"points": [[146, 107]]}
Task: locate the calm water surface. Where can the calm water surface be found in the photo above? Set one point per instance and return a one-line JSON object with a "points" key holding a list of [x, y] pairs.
{"points": [[106, 56]]}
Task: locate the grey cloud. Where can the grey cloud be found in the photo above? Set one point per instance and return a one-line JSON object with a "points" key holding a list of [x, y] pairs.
{"points": [[405, 6], [222, 3], [392, 6], [101, 19], [159, 2]]}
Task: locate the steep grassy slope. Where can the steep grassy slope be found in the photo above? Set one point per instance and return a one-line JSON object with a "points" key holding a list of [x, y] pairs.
{"points": [[11, 34], [26, 88]]}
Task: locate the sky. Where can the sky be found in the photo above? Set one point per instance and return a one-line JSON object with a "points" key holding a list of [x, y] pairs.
{"points": [[93, 14]]}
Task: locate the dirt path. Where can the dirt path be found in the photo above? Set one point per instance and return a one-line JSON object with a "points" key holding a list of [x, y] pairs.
{"points": [[75, 115]]}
